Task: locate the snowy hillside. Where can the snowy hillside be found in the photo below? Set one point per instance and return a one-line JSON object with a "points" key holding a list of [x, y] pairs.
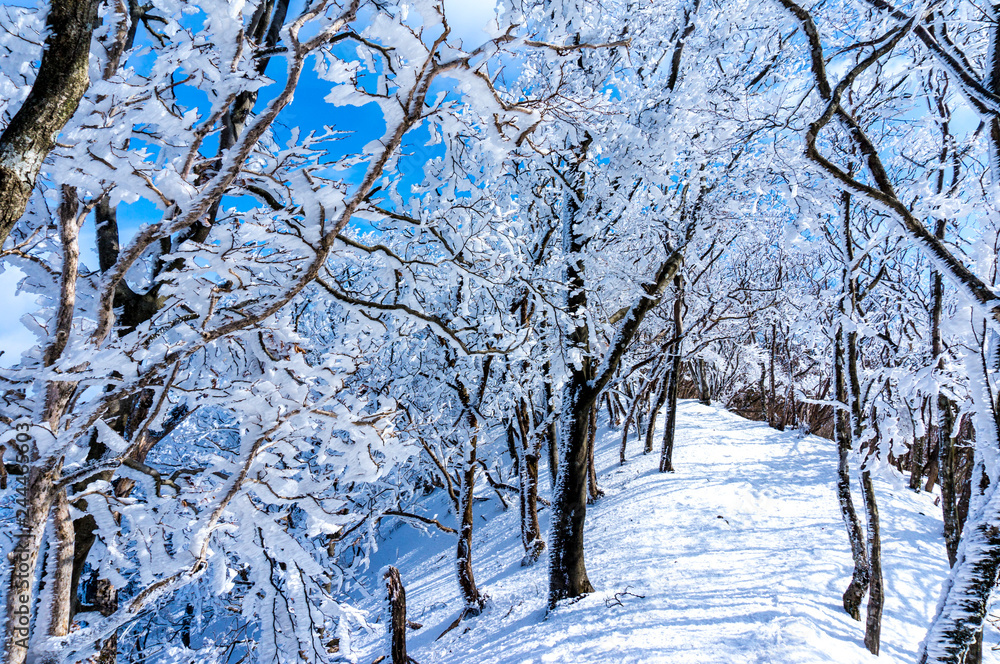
{"points": [[739, 556]]}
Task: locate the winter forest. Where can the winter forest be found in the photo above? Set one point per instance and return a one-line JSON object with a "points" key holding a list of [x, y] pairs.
{"points": [[598, 331]]}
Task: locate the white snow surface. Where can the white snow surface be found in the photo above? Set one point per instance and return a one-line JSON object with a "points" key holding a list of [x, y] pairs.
{"points": [[738, 556]]}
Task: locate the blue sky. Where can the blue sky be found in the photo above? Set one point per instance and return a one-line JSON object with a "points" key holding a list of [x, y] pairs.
{"points": [[309, 111]]}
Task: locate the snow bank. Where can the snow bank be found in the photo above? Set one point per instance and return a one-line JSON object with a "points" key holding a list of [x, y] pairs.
{"points": [[739, 556]]}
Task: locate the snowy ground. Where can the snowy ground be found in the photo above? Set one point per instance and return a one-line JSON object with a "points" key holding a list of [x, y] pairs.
{"points": [[739, 556]]}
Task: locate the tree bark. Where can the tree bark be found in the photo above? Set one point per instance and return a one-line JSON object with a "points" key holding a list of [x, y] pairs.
{"points": [[917, 458], [790, 415], [856, 590], [704, 387], [463, 553], [397, 610], [594, 490], [527, 473], [567, 570], [38, 497], [847, 425], [106, 603], [661, 398], [552, 430], [959, 621], [876, 596], [673, 380], [62, 571], [63, 78], [771, 419]]}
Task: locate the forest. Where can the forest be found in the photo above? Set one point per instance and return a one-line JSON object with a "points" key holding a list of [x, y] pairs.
{"points": [[281, 274]]}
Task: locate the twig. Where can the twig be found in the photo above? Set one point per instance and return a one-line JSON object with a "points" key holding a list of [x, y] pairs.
{"points": [[433, 522]]}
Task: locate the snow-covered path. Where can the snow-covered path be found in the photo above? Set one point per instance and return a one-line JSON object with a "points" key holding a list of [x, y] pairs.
{"points": [[739, 556]]}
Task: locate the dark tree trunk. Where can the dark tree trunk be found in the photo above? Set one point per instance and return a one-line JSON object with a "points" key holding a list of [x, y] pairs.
{"points": [[701, 381], [917, 460], [527, 473], [661, 398], [551, 431], [534, 545], [856, 590], [567, 570], [876, 585], [397, 610], [789, 415], [847, 423], [106, 603], [63, 78], [771, 419], [762, 388], [463, 553], [594, 490], [876, 596], [673, 380], [947, 476], [625, 427], [670, 425]]}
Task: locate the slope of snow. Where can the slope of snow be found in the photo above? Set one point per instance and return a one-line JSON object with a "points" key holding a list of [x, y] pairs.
{"points": [[739, 556]]}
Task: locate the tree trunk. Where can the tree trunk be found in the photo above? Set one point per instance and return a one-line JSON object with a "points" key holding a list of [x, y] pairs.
{"points": [[63, 78], [106, 603], [625, 427], [531, 532], [594, 490], [789, 415], [876, 596], [38, 497], [917, 461], [771, 419], [842, 431], [673, 380], [761, 387], [670, 425], [847, 424], [463, 553], [661, 398], [876, 599], [947, 466], [62, 570], [973, 577], [567, 570], [397, 609], [551, 431]]}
